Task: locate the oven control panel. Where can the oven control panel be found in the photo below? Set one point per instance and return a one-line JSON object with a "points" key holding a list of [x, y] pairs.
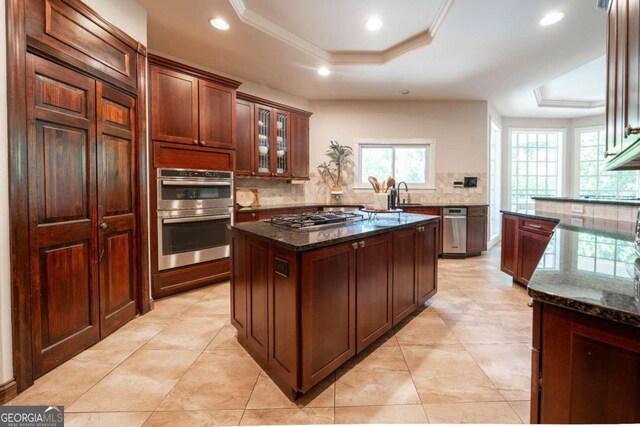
{"points": [[192, 173]]}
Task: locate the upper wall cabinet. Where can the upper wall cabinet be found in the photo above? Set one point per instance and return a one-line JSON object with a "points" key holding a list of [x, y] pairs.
{"points": [[191, 107], [273, 139], [623, 85]]}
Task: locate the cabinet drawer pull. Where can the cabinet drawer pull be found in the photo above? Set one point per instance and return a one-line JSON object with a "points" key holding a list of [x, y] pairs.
{"points": [[534, 226], [203, 143], [354, 245], [195, 142], [628, 130]]}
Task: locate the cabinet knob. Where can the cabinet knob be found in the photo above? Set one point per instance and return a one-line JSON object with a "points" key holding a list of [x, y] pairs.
{"points": [[203, 143], [354, 245], [253, 215], [361, 244], [530, 303], [629, 130], [253, 173], [195, 142], [103, 226]]}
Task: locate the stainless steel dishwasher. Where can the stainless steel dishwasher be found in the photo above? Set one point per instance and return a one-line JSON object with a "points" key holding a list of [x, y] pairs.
{"points": [[454, 229]]}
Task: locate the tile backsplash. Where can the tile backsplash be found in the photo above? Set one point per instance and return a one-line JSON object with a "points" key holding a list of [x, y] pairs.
{"points": [[316, 190]]}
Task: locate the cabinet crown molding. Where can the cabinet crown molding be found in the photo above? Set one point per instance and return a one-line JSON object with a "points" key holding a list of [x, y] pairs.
{"points": [[183, 68]]}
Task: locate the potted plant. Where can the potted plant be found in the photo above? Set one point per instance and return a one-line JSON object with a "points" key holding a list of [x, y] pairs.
{"points": [[340, 156]]}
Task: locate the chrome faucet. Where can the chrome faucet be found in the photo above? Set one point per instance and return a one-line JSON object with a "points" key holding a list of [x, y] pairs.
{"points": [[406, 190]]}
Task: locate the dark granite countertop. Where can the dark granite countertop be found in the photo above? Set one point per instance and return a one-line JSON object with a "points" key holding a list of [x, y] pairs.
{"points": [[617, 202], [264, 208], [532, 216], [297, 240], [589, 266]]}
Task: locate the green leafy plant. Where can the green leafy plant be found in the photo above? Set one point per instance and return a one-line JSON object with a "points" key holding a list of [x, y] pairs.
{"points": [[340, 156]]}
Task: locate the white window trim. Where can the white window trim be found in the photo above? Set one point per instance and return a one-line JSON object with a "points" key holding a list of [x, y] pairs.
{"points": [[575, 182], [562, 149], [431, 160]]}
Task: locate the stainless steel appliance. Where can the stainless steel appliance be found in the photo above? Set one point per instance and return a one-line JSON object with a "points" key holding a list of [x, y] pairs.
{"points": [[195, 209], [312, 221], [194, 189], [454, 229]]}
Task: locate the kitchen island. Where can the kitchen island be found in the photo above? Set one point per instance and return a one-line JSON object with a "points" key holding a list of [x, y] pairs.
{"points": [[305, 302], [586, 318]]}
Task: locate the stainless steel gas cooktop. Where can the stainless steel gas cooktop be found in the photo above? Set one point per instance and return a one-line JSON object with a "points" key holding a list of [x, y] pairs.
{"points": [[314, 220]]}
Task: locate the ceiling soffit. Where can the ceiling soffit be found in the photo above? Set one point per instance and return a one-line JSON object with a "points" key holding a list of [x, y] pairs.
{"points": [[419, 40]]}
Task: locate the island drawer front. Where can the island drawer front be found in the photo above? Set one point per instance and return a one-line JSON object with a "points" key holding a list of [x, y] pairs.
{"points": [[537, 226]]}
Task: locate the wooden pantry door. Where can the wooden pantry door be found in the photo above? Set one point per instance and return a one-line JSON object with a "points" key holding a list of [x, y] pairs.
{"points": [[62, 212], [117, 248]]}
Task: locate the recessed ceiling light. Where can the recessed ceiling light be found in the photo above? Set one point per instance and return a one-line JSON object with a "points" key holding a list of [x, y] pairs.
{"points": [[219, 23], [405, 92], [551, 18], [324, 71], [374, 24]]}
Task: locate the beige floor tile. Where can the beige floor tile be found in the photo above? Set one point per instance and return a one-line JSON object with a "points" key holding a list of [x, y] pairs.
{"points": [[65, 384], [393, 414], [187, 334], [105, 419], [225, 339], [448, 374], [139, 383], [425, 329], [519, 323], [221, 379], [508, 367], [453, 300], [471, 413], [267, 395], [359, 387], [287, 416], [134, 334], [522, 408], [498, 300], [194, 418], [477, 327], [383, 358], [208, 309]]}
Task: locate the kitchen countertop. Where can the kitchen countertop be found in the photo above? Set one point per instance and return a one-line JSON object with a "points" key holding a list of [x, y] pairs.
{"points": [[622, 202], [264, 208], [300, 240], [593, 269]]}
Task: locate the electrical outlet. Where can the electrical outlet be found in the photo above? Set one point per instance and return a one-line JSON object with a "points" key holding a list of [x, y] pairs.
{"points": [[577, 208]]}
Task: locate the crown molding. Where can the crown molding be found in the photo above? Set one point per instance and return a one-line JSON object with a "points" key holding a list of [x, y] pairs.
{"points": [[417, 41], [565, 103]]}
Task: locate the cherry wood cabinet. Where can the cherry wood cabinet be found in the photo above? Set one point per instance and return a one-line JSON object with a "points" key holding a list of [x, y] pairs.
{"points": [[476, 229], [374, 289], [189, 110], [301, 315], [422, 210], [585, 369], [509, 250], [524, 241], [623, 85], [273, 139]]}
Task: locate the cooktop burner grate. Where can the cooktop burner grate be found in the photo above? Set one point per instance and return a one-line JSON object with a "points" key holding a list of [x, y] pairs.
{"points": [[315, 219]]}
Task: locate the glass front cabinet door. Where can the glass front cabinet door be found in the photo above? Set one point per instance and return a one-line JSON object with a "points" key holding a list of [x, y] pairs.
{"points": [[264, 129], [282, 144]]}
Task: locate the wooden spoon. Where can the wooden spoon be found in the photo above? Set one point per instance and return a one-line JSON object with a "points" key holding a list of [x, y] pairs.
{"points": [[377, 184], [390, 182], [372, 181], [383, 186]]}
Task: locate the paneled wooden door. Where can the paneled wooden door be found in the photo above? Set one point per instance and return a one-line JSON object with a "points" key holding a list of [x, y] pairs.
{"points": [[116, 207], [76, 184]]}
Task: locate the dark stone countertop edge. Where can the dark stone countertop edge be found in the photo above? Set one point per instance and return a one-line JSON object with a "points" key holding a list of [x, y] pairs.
{"points": [[336, 241], [592, 201], [615, 315], [532, 216]]}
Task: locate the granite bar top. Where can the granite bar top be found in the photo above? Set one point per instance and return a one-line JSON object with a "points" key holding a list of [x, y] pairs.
{"points": [[532, 216], [589, 266], [616, 202], [301, 240]]}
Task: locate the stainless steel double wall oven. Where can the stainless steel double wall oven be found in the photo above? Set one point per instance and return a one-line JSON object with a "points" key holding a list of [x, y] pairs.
{"points": [[195, 209]]}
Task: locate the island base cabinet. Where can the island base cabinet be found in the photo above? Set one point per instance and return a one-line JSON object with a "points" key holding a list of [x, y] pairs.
{"points": [[589, 369], [301, 315], [328, 311]]}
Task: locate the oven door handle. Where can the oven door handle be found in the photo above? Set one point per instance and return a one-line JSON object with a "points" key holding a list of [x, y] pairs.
{"points": [[197, 183], [194, 219]]}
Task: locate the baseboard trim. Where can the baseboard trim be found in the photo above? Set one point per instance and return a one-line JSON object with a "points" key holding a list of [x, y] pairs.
{"points": [[8, 391]]}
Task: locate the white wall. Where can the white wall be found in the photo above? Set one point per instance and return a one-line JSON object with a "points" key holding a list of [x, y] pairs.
{"points": [[459, 127], [128, 15]]}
